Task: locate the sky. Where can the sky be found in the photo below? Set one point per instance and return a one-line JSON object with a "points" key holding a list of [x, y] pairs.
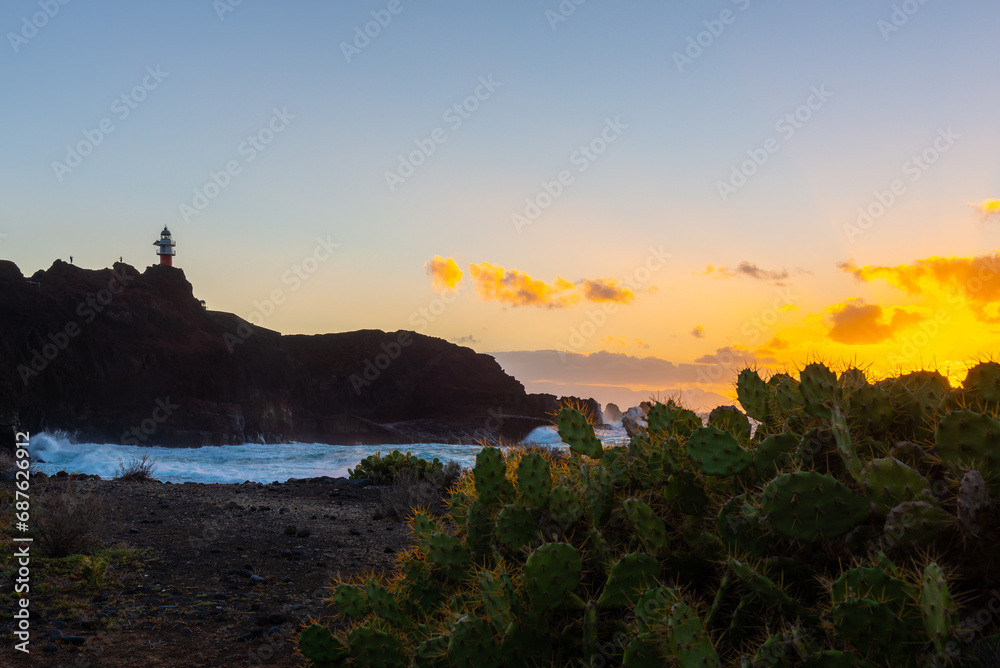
{"points": [[621, 200]]}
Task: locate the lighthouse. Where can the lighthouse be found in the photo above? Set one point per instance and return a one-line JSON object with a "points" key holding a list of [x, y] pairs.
{"points": [[165, 248]]}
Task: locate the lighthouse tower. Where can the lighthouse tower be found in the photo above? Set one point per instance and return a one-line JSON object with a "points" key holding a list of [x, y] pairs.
{"points": [[165, 248]]}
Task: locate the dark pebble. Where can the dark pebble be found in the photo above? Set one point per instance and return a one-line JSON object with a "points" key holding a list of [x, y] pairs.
{"points": [[291, 530], [354, 532], [50, 648], [304, 533], [74, 640]]}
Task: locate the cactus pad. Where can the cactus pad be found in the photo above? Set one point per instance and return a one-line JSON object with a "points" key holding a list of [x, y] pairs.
{"points": [[551, 573], [472, 644], [534, 480], [811, 506], [578, 434], [729, 418], [967, 440], [888, 482], [914, 522], [717, 452], [651, 529], [490, 476], [351, 600], [632, 575], [754, 395], [819, 390], [517, 527], [318, 645], [371, 647]]}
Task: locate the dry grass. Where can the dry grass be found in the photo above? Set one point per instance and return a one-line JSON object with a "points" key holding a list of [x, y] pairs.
{"points": [[409, 491], [68, 519], [8, 465], [136, 469]]}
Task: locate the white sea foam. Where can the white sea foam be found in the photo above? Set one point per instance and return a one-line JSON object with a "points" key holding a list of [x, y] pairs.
{"points": [[236, 463]]}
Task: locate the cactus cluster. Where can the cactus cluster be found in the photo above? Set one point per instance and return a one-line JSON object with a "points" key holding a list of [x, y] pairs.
{"points": [[837, 522]]}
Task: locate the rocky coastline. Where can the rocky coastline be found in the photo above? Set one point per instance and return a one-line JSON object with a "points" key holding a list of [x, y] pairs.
{"points": [[119, 356]]}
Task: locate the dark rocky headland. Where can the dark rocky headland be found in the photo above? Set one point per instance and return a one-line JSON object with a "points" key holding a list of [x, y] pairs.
{"points": [[118, 356]]}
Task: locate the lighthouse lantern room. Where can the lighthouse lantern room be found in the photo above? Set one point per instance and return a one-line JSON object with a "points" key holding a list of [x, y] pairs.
{"points": [[165, 248]]}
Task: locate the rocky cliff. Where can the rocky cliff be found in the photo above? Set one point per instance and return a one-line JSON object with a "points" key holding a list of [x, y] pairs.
{"points": [[119, 356]]}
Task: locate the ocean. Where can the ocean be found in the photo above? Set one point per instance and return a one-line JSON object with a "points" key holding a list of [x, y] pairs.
{"points": [[255, 462]]}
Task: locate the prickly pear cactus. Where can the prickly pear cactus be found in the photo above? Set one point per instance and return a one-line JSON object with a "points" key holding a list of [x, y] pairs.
{"points": [[534, 480], [754, 395], [810, 506], [692, 545], [551, 574], [936, 606], [651, 529], [887, 482], [967, 440], [983, 383], [319, 646], [819, 389], [490, 474], [730, 419], [973, 503], [717, 452], [578, 433]]}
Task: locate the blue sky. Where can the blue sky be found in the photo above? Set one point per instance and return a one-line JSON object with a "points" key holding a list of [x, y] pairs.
{"points": [[891, 92]]}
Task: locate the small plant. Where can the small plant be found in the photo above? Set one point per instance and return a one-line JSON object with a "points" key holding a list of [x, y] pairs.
{"points": [[93, 570], [68, 521], [409, 492], [137, 469], [383, 470]]}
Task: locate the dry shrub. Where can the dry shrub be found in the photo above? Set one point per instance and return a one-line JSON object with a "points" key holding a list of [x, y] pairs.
{"points": [[68, 519], [9, 467], [410, 491], [136, 469]]}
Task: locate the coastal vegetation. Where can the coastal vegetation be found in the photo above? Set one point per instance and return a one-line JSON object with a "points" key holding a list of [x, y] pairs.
{"points": [[835, 521]]}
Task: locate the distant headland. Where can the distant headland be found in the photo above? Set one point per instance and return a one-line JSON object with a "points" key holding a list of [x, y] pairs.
{"points": [[118, 356]]}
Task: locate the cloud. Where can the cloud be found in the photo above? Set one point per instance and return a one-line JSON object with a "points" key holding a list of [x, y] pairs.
{"points": [[470, 339], [738, 355], [606, 290], [988, 207], [622, 342], [975, 278], [510, 286], [854, 322], [445, 273], [495, 283], [698, 332], [748, 269]]}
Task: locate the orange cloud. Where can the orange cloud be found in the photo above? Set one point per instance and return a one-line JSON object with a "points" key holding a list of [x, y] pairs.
{"points": [[698, 332], [748, 269], [495, 283], [855, 322], [735, 355], [975, 278], [606, 290], [622, 342], [988, 207], [445, 273]]}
